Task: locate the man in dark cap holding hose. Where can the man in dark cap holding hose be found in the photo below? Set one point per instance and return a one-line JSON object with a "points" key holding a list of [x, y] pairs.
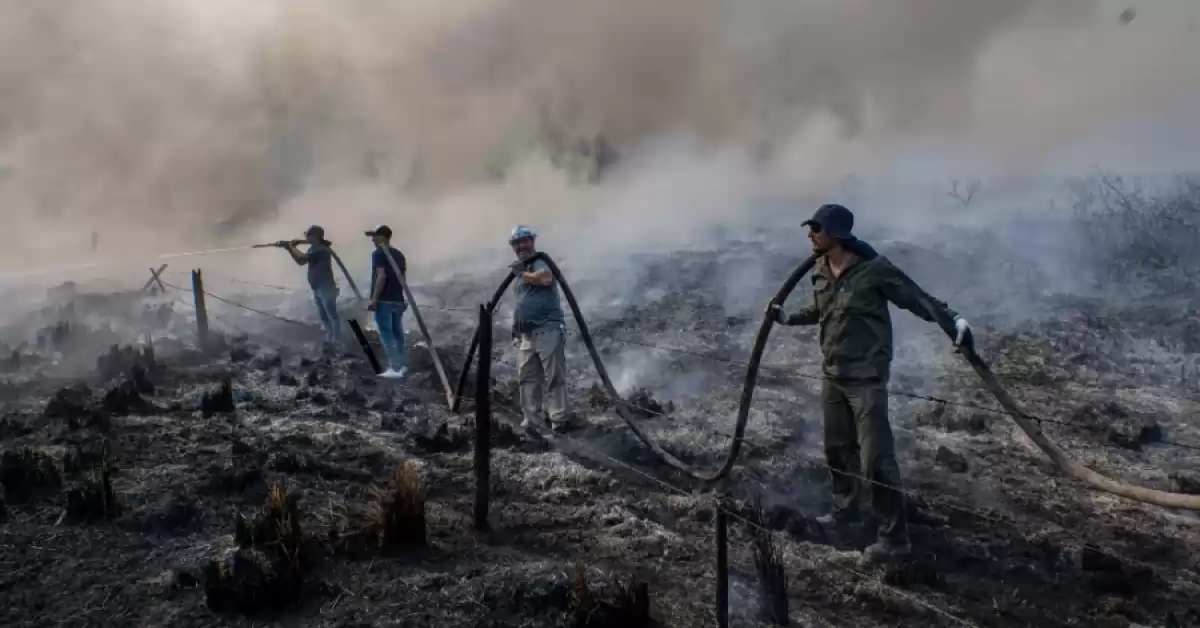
{"points": [[852, 286], [387, 300], [319, 259]]}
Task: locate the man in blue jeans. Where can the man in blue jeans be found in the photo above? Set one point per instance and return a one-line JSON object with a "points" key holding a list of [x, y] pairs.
{"points": [[319, 259], [387, 301]]}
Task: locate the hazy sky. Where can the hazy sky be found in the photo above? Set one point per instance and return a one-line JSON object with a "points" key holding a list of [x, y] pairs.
{"points": [[147, 118]]}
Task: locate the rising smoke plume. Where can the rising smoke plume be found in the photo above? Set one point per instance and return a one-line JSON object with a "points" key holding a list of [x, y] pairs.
{"points": [[154, 121]]}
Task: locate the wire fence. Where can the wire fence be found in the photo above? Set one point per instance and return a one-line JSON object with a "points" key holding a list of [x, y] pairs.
{"points": [[794, 372], [791, 372]]}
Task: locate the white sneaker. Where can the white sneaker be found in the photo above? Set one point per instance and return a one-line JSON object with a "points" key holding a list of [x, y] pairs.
{"points": [[392, 374]]}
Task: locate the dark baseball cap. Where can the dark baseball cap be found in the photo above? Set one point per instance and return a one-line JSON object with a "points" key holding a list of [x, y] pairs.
{"points": [[317, 232], [833, 219], [381, 230]]}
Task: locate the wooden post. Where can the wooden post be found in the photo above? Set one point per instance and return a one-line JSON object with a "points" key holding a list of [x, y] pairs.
{"points": [[483, 421], [201, 310], [722, 565], [437, 360]]}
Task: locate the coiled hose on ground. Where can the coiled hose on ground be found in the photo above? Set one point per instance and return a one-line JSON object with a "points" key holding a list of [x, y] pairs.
{"points": [[981, 368]]}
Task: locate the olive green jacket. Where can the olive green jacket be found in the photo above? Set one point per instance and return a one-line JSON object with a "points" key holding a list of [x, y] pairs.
{"points": [[852, 310]]}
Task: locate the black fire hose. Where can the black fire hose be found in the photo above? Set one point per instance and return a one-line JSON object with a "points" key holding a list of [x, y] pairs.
{"points": [[981, 368], [751, 380], [349, 280], [1060, 458], [466, 367]]}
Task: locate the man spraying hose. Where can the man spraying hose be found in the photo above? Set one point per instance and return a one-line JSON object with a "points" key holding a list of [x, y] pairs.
{"points": [[319, 259], [852, 286], [538, 334], [387, 301]]}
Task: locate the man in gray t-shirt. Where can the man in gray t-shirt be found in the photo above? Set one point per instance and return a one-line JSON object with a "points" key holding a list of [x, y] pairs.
{"points": [[319, 259], [538, 333]]}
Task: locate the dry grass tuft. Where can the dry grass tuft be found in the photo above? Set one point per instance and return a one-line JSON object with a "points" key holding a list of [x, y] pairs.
{"points": [[398, 513], [394, 519], [772, 578], [218, 401], [629, 606], [266, 572], [27, 473], [95, 498]]}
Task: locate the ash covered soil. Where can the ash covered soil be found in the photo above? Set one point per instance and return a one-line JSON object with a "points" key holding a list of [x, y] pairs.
{"points": [[142, 490]]}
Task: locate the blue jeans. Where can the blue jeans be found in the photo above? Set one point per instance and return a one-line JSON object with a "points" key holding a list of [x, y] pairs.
{"points": [[327, 309], [389, 318]]}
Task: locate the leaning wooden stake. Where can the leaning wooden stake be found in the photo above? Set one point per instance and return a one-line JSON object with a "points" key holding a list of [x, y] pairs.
{"points": [[366, 346], [483, 421], [201, 310], [155, 280], [437, 361], [722, 565]]}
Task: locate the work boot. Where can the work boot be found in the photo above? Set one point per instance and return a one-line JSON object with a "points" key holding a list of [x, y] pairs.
{"points": [[885, 550], [529, 424], [563, 423]]}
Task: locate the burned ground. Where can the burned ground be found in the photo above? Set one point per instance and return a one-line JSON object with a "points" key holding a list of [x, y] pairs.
{"points": [[260, 480]]}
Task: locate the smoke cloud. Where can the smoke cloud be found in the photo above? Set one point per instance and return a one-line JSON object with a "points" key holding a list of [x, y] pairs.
{"points": [[156, 122]]}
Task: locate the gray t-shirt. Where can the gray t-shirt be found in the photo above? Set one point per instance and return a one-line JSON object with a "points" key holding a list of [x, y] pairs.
{"points": [[320, 268], [536, 305]]}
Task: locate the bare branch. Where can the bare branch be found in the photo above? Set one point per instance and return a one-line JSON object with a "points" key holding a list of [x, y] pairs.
{"points": [[967, 192]]}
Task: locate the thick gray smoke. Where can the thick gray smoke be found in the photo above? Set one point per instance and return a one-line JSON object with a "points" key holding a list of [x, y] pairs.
{"points": [[154, 122]]}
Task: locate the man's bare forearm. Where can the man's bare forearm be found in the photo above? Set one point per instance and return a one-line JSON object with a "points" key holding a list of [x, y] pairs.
{"points": [[297, 256], [539, 278], [380, 282]]}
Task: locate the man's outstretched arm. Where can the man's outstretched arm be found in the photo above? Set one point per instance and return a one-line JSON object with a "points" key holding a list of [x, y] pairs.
{"points": [[537, 273], [900, 289]]}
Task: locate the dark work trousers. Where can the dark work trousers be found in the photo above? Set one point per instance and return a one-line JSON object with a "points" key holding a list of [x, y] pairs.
{"points": [[858, 442]]}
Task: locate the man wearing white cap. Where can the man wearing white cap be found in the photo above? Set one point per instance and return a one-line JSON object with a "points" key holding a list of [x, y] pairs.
{"points": [[538, 333]]}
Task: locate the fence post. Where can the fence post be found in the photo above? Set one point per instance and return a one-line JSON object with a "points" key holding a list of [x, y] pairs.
{"points": [[201, 310], [722, 565], [483, 420]]}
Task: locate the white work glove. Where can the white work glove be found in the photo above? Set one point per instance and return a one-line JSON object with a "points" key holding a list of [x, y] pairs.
{"points": [[962, 333], [775, 312]]}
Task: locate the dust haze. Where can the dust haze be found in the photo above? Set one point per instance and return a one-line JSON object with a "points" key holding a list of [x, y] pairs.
{"points": [[177, 124]]}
